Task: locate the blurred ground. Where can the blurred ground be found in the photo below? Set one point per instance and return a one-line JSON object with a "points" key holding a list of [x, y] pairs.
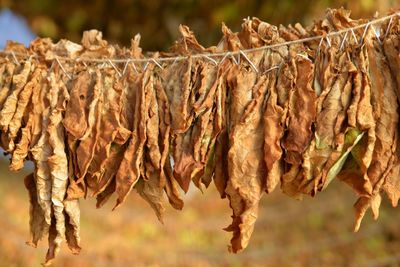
{"points": [[313, 232]]}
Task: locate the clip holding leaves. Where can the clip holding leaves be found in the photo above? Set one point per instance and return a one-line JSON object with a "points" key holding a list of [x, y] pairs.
{"points": [[224, 57], [328, 41], [365, 32], [157, 63], [51, 68], [343, 40], [115, 67], [134, 67], [15, 58], [127, 62], [145, 66], [389, 27], [272, 68], [304, 56], [62, 68], [236, 61], [80, 60], [354, 35], [248, 60], [211, 59], [125, 66], [377, 34], [103, 64], [174, 62], [319, 45]]}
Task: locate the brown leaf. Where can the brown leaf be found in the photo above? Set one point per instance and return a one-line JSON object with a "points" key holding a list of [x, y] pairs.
{"points": [[37, 222]]}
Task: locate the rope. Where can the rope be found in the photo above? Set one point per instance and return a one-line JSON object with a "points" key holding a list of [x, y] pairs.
{"points": [[224, 55]]}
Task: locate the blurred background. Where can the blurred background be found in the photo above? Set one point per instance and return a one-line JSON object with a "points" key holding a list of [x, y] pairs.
{"points": [[312, 232], [157, 20]]}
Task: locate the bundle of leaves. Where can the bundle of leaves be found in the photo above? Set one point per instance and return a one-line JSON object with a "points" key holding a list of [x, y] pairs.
{"points": [[294, 115]]}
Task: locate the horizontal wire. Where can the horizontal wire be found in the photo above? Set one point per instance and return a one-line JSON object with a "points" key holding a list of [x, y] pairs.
{"points": [[210, 56]]}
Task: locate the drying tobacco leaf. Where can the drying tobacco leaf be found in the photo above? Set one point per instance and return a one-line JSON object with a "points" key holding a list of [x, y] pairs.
{"points": [[41, 151], [151, 191], [110, 168], [276, 108], [364, 115], [301, 109], [355, 114], [246, 167], [76, 114], [177, 89], [359, 138], [301, 115], [352, 138], [8, 110], [177, 86], [392, 182], [167, 180], [391, 50], [25, 107], [36, 217], [85, 150], [58, 165], [130, 171], [106, 185], [216, 166], [203, 135], [216, 125], [126, 106], [193, 146], [332, 85], [108, 125], [383, 94], [95, 47], [7, 73], [332, 105], [220, 153], [273, 133], [150, 187]]}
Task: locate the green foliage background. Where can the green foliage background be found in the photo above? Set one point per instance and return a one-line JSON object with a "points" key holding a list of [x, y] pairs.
{"points": [[157, 20]]}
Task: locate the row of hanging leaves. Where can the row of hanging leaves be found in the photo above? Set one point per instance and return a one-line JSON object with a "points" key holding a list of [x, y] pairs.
{"points": [[295, 116]]}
